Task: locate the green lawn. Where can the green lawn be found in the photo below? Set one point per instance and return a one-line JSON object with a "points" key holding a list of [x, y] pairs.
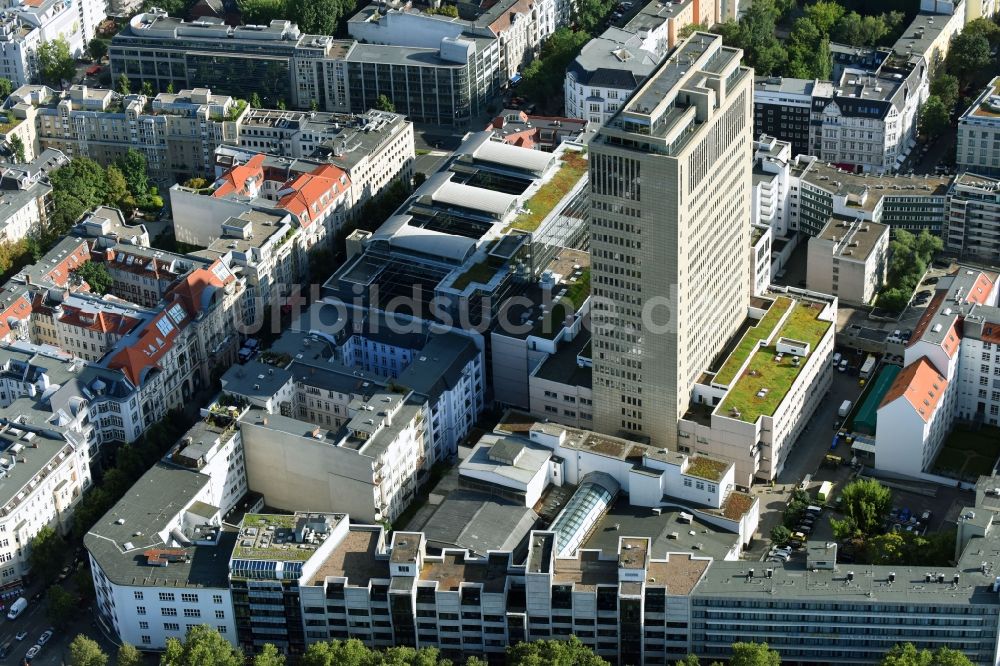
{"points": [[764, 373], [481, 272], [761, 331], [576, 294], [573, 168], [706, 468]]}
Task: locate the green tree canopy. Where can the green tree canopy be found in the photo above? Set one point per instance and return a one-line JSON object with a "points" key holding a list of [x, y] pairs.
{"points": [[935, 117], [809, 50], [55, 64], [6, 88], [124, 85], [945, 88], [269, 656], [754, 654], [590, 14], [907, 655], [553, 653], [780, 535], [128, 655], [383, 103], [48, 554], [60, 606], [866, 504], [98, 48], [547, 72], [85, 651], [755, 34], [824, 15], [967, 54], [203, 646], [17, 149], [133, 168], [116, 189], [96, 275]]}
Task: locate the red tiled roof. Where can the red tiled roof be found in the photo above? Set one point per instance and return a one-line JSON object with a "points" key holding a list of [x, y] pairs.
{"points": [[145, 353], [235, 180], [980, 290], [308, 190], [59, 274], [922, 386], [100, 321], [19, 309]]}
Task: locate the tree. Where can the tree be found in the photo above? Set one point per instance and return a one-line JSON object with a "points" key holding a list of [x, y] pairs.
{"points": [[97, 48], [754, 33], [116, 188], [48, 552], [982, 27], [96, 275], [6, 88], [133, 168], [690, 660], [60, 606], [547, 72], [907, 655], [170, 88], [336, 653], [318, 17], [808, 51], [255, 102], [124, 85], [383, 103], [780, 535], [147, 89], [85, 651], [269, 656], [754, 654], [55, 64], [935, 117], [128, 655], [203, 646], [590, 14], [17, 149], [967, 54], [945, 88], [690, 29], [824, 15], [866, 503], [889, 548], [553, 653]]}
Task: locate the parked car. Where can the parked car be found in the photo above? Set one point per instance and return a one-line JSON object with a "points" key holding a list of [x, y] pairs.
{"points": [[44, 638], [32, 652], [5, 649], [21, 635], [781, 549]]}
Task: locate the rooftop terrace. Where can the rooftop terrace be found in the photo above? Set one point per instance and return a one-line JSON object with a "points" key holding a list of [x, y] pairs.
{"points": [[572, 167], [748, 343], [271, 537], [764, 384]]}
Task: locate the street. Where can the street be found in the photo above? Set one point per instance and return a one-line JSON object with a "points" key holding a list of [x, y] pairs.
{"points": [[34, 621]]}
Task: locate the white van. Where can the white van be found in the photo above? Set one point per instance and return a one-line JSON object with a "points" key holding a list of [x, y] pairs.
{"points": [[17, 608]]}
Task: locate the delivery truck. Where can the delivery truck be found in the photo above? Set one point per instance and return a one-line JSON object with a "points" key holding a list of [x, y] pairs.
{"points": [[845, 408]]}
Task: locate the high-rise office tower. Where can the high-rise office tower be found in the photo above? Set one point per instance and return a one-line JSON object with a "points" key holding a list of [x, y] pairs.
{"points": [[670, 236]]}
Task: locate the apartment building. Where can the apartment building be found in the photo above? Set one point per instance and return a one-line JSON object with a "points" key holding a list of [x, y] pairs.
{"points": [[172, 354], [175, 132], [949, 375], [160, 557], [324, 390], [373, 148], [782, 108], [318, 195], [611, 66], [751, 405], [274, 553], [683, 246], [978, 142], [83, 324], [24, 27], [370, 464], [849, 259], [26, 196], [972, 225], [818, 191], [450, 83]]}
